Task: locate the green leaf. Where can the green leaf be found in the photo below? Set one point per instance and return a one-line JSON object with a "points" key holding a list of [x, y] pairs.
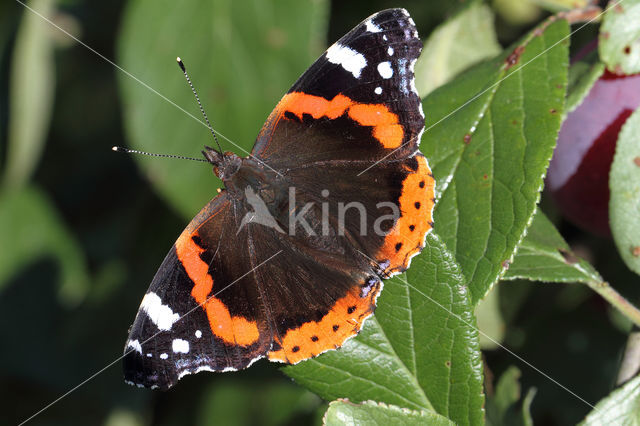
{"points": [[624, 184], [582, 76], [420, 351], [123, 417], [517, 12], [31, 229], [230, 402], [544, 256], [619, 45], [622, 406], [460, 42], [527, 420], [343, 412], [241, 57], [490, 321], [32, 84], [559, 5], [490, 135], [507, 393], [502, 406]]}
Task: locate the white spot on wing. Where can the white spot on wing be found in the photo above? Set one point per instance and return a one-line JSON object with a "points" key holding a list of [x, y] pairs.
{"points": [[204, 368], [196, 371], [348, 58], [161, 315], [390, 51], [135, 344], [149, 355], [412, 65], [412, 83], [378, 90], [403, 76], [254, 360], [384, 37], [180, 346], [385, 70], [164, 356], [371, 27], [198, 334]]}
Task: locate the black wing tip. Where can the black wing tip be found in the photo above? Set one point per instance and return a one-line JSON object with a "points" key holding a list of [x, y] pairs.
{"points": [[393, 13], [138, 372], [147, 381], [144, 385]]}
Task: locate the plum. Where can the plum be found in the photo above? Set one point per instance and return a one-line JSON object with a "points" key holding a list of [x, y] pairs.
{"points": [[578, 176]]}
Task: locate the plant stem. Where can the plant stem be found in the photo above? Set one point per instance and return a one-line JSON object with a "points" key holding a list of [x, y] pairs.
{"points": [[586, 14], [614, 298]]}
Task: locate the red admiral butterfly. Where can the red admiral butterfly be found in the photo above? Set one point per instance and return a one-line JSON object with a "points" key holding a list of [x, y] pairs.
{"points": [[288, 260]]}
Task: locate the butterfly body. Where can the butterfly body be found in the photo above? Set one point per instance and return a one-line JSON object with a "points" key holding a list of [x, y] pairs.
{"points": [[288, 260]]}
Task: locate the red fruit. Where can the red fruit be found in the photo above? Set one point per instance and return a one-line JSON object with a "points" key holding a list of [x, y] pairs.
{"points": [[579, 171]]}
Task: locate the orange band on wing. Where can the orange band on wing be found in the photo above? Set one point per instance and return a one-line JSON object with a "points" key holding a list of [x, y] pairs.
{"points": [[416, 207], [232, 330], [386, 127], [300, 103], [312, 338], [385, 123]]}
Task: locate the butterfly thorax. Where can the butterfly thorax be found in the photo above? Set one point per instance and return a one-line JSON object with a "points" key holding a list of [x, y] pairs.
{"points": [[246, 179]]}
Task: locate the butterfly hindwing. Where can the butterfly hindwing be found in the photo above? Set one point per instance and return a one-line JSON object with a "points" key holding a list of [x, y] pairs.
{"points": [[197, 314], [366, 203]]}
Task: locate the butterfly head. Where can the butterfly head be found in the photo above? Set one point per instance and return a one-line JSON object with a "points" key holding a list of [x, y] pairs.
{"points": [[224, 164]]}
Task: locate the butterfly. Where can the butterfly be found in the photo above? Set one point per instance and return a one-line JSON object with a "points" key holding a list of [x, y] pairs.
{"points": [[288, 260]]}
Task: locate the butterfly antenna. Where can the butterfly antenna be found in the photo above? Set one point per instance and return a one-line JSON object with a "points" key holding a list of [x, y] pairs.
{"points": [[150, 154], [193, 89]]}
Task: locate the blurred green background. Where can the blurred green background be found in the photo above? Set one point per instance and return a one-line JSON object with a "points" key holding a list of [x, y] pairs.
{"points": [[83, 230]]}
